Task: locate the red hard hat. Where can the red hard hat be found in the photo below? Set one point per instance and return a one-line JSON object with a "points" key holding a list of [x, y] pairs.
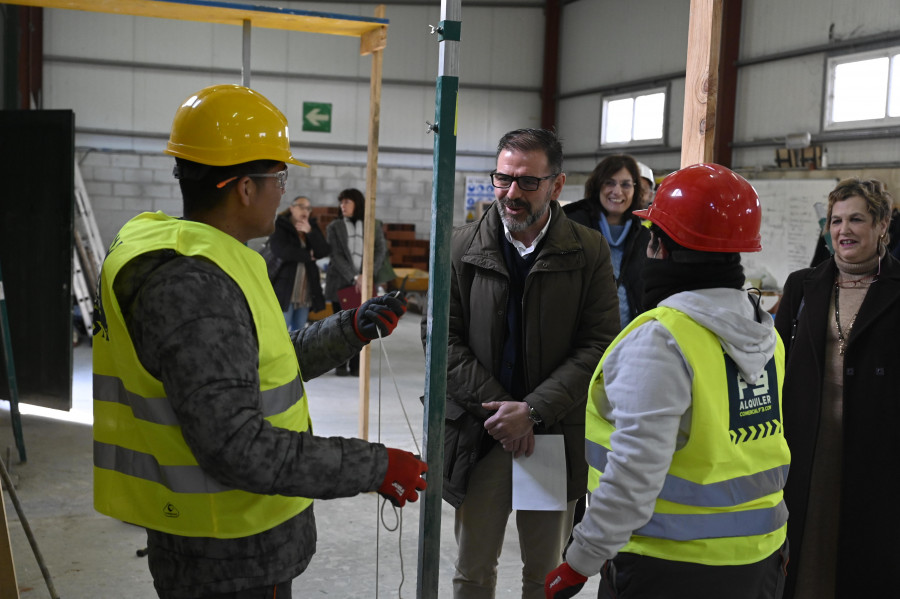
{"points": [[707, 207]]}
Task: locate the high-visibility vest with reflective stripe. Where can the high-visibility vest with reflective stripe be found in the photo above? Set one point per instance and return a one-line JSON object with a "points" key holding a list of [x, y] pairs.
{"points": [[144, 472], [721, 503]]}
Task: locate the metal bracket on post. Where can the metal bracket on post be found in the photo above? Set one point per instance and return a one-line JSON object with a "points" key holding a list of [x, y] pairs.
{"points": [[450, 31]]}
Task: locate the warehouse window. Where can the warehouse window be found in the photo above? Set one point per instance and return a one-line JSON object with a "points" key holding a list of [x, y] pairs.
{"points": [[863, 90], [630, 119]]}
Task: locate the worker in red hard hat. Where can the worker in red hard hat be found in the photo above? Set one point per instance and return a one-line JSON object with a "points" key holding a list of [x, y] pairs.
{"points": [[202, 433], [685, 444]]}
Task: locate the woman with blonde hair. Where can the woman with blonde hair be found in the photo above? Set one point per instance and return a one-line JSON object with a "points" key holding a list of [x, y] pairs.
{"points": [[839, 323]]}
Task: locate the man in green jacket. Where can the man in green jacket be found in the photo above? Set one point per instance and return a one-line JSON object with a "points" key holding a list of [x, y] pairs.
{"points": [[532, 307]]}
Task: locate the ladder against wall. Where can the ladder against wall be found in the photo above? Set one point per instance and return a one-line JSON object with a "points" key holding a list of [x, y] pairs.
{"points": [[9, 587], [87, 253]]}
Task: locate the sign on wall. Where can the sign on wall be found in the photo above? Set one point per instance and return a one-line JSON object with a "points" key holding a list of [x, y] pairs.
{"points": [[479, 195], [317, 117]]}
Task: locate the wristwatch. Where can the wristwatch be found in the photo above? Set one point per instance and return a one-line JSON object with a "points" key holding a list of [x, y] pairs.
{"points": [[534, 416]]}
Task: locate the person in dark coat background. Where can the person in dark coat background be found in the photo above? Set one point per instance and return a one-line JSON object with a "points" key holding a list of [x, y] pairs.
{"points": [[611, 194], [298, 242], [839, 323], [345, 236]]}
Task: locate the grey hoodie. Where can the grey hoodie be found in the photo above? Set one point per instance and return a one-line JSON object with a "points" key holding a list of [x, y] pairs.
{"points": [[646, 395]]}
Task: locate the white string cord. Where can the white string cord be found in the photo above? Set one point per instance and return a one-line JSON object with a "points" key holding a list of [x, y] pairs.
{"points": [[397, 389], [398, 514]]}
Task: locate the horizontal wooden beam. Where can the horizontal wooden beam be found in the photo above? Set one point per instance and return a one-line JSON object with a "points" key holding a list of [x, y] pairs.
{"points": [[208, 11]]}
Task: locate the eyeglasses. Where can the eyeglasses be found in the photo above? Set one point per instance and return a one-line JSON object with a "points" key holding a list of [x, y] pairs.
{"points": [[625, 185], [280, 178], [301, 206], [525, 182]]}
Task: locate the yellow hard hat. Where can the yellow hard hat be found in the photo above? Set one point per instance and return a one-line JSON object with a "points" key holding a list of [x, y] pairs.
{"points": [[222, 125]]}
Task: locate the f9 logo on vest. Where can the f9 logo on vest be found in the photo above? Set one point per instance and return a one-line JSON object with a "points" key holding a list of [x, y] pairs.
{"points": [[754, 409]]}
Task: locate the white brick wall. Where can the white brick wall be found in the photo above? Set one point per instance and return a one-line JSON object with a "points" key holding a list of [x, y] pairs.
{"points": [[122, 185]]}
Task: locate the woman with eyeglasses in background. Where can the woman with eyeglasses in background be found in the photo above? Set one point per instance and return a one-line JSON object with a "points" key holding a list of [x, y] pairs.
{"points": [[298, 242], [839, 323], [612, 192]]}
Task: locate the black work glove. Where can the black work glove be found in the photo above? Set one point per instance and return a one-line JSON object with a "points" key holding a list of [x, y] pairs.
{"points": [[378, 315]]}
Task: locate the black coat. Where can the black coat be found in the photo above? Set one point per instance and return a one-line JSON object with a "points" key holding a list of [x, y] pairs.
{"points": [[633, 257], [870, 486], [286, 245]]}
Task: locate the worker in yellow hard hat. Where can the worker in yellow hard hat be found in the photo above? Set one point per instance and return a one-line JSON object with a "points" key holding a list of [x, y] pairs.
{"points": [[202, 432]]}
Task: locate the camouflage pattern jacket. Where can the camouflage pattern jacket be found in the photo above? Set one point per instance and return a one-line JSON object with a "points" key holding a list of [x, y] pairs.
{"points": [[192, 329]]}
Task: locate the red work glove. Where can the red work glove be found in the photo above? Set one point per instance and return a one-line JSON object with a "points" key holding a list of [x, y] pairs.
{"points": [[378, 315], [564, 582], [403, 478]]}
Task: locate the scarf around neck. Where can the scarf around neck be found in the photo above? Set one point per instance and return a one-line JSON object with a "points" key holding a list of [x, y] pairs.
{"points": [[664, 278]]}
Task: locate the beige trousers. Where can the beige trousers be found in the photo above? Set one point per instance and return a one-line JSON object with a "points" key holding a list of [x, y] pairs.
{"points": [[480, 526]]}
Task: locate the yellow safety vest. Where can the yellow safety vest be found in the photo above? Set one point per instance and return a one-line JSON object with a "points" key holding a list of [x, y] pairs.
{"points": [[144, 472], [721, 503]]}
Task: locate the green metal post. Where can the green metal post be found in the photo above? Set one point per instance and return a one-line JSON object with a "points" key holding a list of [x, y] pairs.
{"points": [[11, 374], [438, 312]]}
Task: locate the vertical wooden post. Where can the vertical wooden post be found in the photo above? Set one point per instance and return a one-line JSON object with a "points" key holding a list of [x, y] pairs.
{"points": [[701, 84], [377, 51]]}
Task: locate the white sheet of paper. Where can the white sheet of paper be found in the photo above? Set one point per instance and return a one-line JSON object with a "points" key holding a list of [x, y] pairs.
{"points": [[539, 481]]}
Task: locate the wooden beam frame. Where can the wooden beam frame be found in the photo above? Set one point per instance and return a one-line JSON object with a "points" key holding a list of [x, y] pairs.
{"points": [[209, 11], [701, 83], [368, 273], [372, 33]]}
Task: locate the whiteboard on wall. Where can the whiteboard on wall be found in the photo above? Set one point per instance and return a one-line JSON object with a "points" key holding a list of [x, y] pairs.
{"points": [[790, 226]]}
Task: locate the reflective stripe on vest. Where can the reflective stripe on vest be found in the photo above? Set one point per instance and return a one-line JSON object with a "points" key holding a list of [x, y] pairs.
{"points": [[179, 479], [719, 494], [158, 410], [721, 502], [144, 472]]}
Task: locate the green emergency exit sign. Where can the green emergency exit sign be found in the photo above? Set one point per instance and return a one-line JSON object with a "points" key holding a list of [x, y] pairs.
{"points": [[317, 117]]}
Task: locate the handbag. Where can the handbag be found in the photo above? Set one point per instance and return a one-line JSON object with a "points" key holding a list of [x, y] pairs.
{"points": [[349, 297], [273, 262]]}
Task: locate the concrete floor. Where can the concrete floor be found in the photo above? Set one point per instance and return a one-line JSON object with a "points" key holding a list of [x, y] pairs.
{"points": [[361, 553]]}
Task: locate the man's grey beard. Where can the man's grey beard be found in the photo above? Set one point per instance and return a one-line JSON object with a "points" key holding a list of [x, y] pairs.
{"points": [[516, 226]]}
